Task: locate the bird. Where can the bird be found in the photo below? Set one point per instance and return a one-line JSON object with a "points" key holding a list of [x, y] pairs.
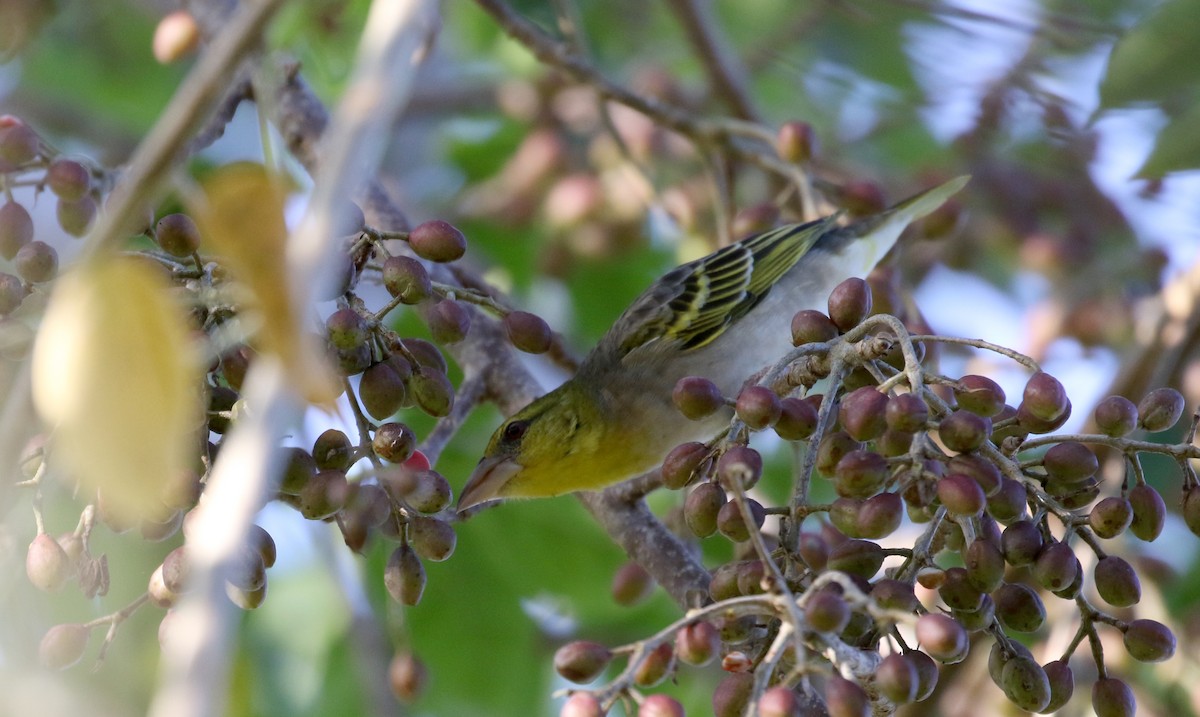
{"points": [[724, 316]]}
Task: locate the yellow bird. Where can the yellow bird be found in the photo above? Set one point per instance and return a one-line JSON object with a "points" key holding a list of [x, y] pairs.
{"points": [[723, 317]]}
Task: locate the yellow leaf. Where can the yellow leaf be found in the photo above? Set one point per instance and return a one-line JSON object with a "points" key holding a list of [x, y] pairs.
{"points": [[244, 222], [118, 378]]}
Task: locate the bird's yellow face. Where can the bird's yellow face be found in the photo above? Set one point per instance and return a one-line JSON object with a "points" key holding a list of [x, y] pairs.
{"points": [[558, 444]]}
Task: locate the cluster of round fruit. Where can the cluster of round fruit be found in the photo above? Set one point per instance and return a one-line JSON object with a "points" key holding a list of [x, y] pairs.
{"points": [[1003, 520]]}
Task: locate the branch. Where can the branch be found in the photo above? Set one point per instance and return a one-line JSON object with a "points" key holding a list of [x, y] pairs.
{"points": [[725, 69]]}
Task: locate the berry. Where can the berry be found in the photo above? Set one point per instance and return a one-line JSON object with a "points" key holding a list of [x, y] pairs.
{"points": [[1117, 582], [62, 646], [1116, 416], [76, 217], [849, 303], [797, 419], [346, 329], [437, 241], [811, 326], [979, 395], [176, 36], [961, 495], [333, 450], [1149, 641], [1111, 516], [795, 142], [407, 676], [37, 262], [1113, 698], [177, 234], [528, 332], [697, 397], [1149, 512], [581, 661], [394, 442], [681, 464], [862, 413], [12, 293], [733, 526], [404, 576], [826, 611], [1160, 409], [844, 698], [68, 179], [631, 584], [758, 407], [16, 229], [19, 144], [739, 466], [47, 564], [701, 508], [906, 412], [449, 321], [432, 539], [963, 431], [432, 391], [382, 391]]}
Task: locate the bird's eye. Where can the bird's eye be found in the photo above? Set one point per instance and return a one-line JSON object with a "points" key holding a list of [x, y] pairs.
{"points": [[515, 431]]}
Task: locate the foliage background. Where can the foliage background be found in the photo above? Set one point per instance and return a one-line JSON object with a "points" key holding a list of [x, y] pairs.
{"points": [[1070, 232]]}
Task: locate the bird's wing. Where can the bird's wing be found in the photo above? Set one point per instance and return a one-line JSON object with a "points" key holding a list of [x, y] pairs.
{"points": [[693, 304]]}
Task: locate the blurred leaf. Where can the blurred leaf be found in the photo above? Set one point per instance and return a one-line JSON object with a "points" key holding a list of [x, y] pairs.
{"points": [[115, 373], [244, 221], [95, 57], [1156, 60], [1177, 147]]}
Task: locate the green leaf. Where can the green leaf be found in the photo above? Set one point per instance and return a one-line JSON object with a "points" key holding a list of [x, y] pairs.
{"points": [[1156, 60], [1177, 148]]}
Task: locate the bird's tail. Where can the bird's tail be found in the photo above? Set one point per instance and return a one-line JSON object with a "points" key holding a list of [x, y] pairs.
{"points": [[866, 241]]}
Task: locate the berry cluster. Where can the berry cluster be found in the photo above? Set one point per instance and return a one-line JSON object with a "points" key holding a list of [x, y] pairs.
{"points": [[1011, 517], [376, 485]]}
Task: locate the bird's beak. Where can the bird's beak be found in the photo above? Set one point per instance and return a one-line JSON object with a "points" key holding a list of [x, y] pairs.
{"points": [[486, 481]]}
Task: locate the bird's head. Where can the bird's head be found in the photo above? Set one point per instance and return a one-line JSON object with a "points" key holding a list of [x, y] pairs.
{"points": [[563, 442]]}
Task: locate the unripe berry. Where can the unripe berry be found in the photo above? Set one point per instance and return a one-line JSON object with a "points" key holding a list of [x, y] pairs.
{"points": [[176, 36], [346, 329], [18, 143], [382, 391], [407, 676], [849, 303], [814, 551], [1021, 542], [76, 217], [404, 576], [906, 412], [12, 293], [432, 539], [1160, 409], [1019, 608], [731, 524], [979, 395], [1190, 507], [724, 582], [1062, 685], [406, 278], [861, 474], [62, 646], [1149, 512], [581, 661], [1056, 567], [659, 663], [862, 413], [758, 407], [832, 449], [323, 495], [732, 694], [795, 141], [844, 698], [739, 466], [696, 644], [37, 262], [299, 468], [528, 332], [879, 516], [697, 397], [958, 593], [47, 564], [1116, 416], [631, 584], [581, 704], [333, 450], [432, 391], [394, 442], [961, 496], [1117, 582], [68, 179], [701, 508], [660, 706], [892, 594], [856, 557], [431, 492], [1111, 516], [437, 241], [681, 464], [1025, 683], [1070, 462], [826, 611], [779, 701], [1113, 698], [1008, 503], [862, 197], [984, 564], [1149, 641], [797, 419], [811, 326], [963, 431], [16, 229]]}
